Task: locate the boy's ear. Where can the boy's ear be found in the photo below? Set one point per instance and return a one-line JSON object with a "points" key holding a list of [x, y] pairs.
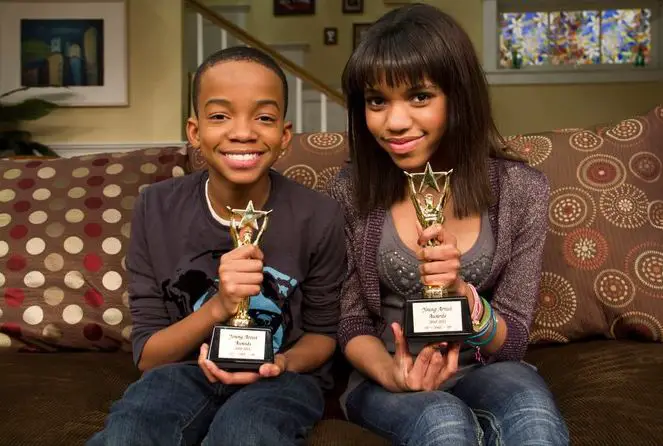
{"points": [[287, 135], [192, 133]]}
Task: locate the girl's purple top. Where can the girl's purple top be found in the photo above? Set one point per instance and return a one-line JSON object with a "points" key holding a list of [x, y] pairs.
{"points": [[519, 221]]}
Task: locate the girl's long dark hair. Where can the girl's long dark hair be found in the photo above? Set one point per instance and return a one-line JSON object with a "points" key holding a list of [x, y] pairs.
{"points": [[404, 47]]}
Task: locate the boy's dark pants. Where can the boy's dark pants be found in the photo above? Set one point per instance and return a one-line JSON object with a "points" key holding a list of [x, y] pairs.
{"points": [[176, 405]]}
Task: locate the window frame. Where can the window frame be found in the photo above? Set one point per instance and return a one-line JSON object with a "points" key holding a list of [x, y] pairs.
{"points": [[568, 74]]}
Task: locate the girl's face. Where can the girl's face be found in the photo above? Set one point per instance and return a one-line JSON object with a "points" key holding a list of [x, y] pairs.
{"points": [[407, 121]]}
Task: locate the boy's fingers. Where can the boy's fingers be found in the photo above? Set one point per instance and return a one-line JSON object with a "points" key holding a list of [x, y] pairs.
{"points": [[243, 266], [243, 252]]}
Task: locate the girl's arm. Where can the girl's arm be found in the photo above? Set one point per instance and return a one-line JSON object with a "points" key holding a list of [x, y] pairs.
{"points": [[517, 288]]}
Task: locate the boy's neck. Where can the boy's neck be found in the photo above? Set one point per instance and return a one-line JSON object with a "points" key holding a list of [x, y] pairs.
{"points": [[223, 193]]}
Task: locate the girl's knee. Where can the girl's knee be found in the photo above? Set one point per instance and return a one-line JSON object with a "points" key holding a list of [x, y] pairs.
{"points": [[446, 423], [533, 416]]}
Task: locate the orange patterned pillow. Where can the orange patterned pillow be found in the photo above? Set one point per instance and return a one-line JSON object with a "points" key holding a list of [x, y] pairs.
{"points": [[603, 259], [64, 230]]}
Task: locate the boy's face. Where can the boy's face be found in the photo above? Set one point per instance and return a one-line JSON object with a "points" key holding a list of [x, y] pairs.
{"points": [[241, 128]]}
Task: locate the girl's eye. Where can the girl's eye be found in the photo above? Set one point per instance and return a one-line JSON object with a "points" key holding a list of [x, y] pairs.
{"points": [[375, 102], [421, 97], [218, 117]]}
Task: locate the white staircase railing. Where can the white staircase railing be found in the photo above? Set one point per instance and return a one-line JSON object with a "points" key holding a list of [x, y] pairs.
{"points": [[327, 94]]}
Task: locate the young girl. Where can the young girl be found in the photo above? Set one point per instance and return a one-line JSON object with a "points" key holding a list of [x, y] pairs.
{"points": [[416, 93]]}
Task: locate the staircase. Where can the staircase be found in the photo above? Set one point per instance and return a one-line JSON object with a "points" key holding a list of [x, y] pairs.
{"points": [[315, 107]]}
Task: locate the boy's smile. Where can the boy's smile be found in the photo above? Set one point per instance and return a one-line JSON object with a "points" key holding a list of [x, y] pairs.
{"points": [[241, 128]]}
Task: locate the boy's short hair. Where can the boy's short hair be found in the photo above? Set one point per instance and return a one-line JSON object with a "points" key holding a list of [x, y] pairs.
{"points": [[238, 53]]}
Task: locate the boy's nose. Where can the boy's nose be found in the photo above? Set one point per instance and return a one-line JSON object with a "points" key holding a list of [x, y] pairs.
{"points": [[242, 131]]}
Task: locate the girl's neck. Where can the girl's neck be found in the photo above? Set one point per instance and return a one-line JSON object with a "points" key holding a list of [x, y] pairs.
{"points": [[223, 194]]}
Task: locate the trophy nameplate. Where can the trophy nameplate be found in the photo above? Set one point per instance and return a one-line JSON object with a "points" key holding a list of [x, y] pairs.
{"points": [[240, 344], [240, 349], [437, 316]]}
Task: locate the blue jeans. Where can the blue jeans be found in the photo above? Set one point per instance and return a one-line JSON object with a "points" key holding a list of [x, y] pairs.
{"points": [[176, 405], [504, 403]]}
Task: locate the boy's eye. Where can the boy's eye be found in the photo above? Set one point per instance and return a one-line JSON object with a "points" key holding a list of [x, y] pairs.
{"points": [[266, 119], [218, 116]]}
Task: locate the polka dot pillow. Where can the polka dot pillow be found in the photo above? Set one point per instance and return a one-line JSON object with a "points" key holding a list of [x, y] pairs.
{"points": [[64, 229], [603, 258]]}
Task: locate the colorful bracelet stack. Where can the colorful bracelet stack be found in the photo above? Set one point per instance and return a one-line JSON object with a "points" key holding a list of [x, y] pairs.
{"points": [[484, 320]]}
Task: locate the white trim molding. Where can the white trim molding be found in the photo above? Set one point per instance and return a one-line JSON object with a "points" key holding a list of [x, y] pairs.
{"points": [[68, 150], [586, 74]]}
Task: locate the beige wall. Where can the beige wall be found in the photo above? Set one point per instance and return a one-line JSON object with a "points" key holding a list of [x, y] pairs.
{"points": [[518, 109], [156, 86]]}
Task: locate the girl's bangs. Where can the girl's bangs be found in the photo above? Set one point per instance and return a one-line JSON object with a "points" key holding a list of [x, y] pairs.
{"points": [[393, 60]]}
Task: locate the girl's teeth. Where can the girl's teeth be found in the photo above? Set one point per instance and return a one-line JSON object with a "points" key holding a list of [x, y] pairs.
{"points": [[242, 156]]}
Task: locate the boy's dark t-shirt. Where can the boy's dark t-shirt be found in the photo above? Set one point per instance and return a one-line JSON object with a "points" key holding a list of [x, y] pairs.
{"points": [[176, 245]]}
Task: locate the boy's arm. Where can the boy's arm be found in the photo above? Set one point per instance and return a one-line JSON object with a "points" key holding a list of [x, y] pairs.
{"points": [[155, 340], [321, 291]]}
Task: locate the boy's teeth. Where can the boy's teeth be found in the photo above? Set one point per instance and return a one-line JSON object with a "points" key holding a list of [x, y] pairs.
{"points": [[242, 156]]}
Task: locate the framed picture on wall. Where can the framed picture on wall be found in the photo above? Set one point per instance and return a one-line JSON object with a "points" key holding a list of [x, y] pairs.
{"points": [[358, 30], [330, 36], [294, 7], [74, 54], [353, 6]]}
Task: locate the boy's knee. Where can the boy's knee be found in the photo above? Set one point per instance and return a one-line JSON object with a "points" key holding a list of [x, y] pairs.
{"points": [[241, 428]]}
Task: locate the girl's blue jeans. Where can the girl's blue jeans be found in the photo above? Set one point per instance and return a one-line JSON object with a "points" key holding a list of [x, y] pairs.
{"points": [[503, 403]]}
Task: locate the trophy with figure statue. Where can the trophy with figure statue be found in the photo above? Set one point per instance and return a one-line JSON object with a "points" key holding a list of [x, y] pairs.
{"points": [[240, 344], [436, 315]]}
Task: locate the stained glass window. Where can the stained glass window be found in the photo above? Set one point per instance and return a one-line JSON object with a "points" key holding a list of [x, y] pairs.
{"points": [[524, 34], [574, 37], [611, 36], [623, 32]]}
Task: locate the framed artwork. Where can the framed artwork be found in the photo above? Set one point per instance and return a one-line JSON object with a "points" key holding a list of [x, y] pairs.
{"points": [[353, 6], [294, 7], [358, 30], [74, 54], [331, 36]]}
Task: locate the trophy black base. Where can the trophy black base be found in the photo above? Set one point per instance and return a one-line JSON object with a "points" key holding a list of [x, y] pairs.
{"points": [[446, 319], [240, 348]]}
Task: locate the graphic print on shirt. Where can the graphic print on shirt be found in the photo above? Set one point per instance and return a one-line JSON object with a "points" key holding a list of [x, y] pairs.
{"points": [[267, 309], [187, 284]]}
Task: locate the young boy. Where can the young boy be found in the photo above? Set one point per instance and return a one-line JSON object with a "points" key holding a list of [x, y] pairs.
{"points": [[182, 251]]}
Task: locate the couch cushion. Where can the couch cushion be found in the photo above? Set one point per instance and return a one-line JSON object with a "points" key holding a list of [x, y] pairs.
{"points": [[603, 258], [59, 398], [64, 228], [608, 391], [311, 159]]}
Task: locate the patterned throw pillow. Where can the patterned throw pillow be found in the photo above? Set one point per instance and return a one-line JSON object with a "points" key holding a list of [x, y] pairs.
{"points": [[311, 159], [64, 230], [603, 260]]}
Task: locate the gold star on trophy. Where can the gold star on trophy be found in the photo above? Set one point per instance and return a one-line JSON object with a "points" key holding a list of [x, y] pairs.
{"points": [[250, 215]]}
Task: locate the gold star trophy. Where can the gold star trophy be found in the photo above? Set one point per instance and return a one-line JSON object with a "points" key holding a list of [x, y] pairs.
{"points": [[436, 316], [240, 344]]}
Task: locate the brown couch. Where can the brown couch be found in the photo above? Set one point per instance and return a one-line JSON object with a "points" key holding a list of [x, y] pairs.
{"points": [[596, 338]]}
